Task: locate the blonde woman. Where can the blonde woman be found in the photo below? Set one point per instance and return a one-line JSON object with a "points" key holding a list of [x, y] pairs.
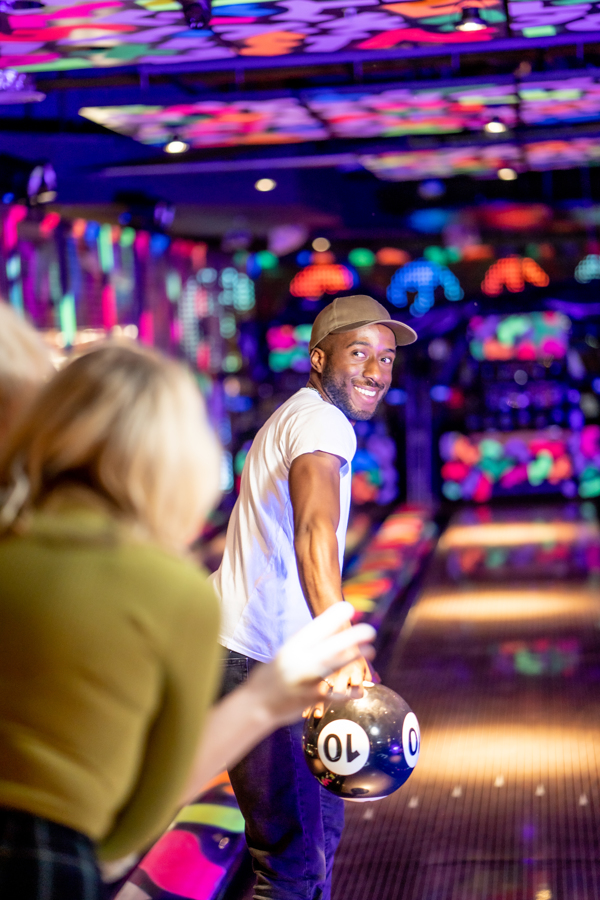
{"points": [[24, 366], [108, 635]]}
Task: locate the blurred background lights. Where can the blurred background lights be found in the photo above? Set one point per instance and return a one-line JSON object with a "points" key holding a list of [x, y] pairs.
{"points": [[438, 349], [390, 256], [321, 244], [588, 269], [176, 145], [507, 174], [495, 126], [314, 281], [421, 277], [361, 257], [265, 184], [431, 188]]}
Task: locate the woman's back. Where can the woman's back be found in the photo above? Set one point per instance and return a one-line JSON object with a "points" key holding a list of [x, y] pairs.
{"points": [[107, 662]]}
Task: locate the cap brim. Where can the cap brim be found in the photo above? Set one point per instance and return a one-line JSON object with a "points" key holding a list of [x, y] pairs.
{"points": [[404, 334]]}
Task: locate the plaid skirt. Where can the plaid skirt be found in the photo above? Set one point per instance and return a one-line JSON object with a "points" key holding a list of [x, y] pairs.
{"points": [[41, 860]]}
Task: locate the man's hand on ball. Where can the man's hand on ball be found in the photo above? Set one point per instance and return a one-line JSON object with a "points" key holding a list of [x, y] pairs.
{"points": [[349, 679]]}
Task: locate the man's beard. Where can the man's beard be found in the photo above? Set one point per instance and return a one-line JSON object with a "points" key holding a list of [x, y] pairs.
{"points": [[335, 388]]}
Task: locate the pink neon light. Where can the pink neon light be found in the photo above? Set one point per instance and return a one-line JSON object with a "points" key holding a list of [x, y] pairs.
{"points": [[49, 223], [142, 243], [10, 235], [146, 333], [109, 307]]}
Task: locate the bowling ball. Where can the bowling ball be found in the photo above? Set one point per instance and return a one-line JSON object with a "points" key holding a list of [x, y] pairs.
{"points": [[363, 749]]}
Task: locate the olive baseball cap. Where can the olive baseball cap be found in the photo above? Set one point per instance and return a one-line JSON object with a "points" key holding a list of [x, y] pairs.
{"points": [[349, 313]]}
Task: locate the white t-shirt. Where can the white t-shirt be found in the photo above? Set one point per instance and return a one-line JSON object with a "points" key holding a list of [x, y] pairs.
{"points": [[262, 603]]}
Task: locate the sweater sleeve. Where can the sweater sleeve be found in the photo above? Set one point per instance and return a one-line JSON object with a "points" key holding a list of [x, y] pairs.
{"points": [[191, 669]]}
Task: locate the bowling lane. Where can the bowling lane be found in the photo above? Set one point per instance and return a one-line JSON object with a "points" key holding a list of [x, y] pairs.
{"points": [[500, 659]]}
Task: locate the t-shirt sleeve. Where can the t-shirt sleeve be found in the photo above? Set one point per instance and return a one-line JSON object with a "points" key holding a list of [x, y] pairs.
{"points": [[320, 427]]}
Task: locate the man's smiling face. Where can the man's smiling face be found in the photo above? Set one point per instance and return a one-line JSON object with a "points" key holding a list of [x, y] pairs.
{"points": [[357, 370]]}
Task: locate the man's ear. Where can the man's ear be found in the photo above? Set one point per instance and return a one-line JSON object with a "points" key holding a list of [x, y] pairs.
{"points": [[317, 359]]}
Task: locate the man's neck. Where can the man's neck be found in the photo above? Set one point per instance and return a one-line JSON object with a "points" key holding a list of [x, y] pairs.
{"points": [[315, 385]]}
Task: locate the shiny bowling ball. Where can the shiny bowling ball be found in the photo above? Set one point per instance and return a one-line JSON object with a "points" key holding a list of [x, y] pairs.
{"points": [[363, 749]]}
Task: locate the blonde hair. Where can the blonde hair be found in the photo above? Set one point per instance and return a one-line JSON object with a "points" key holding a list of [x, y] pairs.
{"points": [[131, 425], [24, 366]]}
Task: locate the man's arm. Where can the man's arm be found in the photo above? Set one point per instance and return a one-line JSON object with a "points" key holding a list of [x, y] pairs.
{"points": [[315, 494]]}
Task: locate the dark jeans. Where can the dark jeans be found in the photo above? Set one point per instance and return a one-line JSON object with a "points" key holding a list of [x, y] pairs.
{"points": [[41, 860], [293, 825]]}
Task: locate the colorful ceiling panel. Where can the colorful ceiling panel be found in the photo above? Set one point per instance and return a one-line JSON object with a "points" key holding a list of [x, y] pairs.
{"points": [[547, 18], [570, 99], [213, 123], [70, 34], [484, 162], [479, 162], [438, 110], [365, 113], [563, 154]]}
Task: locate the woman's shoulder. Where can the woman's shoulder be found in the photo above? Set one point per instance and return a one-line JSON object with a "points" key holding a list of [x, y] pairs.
{"points": [[107, 550]]}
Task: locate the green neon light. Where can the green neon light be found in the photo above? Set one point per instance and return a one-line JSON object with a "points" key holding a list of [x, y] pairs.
{"points": [[539, 31], [226, 817], [67, 319], [105, 248]]}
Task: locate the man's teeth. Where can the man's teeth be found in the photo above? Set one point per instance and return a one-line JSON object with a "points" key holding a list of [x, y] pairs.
{"points": [[365, 391]]}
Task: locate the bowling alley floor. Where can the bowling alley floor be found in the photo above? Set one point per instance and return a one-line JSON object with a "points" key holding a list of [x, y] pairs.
{"points": [[500, 659]]}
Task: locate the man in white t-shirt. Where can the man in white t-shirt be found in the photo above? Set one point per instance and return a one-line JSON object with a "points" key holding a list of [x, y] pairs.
{"points": [[282, 565]]}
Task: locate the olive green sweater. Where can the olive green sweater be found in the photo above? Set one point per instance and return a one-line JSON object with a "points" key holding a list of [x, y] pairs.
{"points": [[108, 661]]}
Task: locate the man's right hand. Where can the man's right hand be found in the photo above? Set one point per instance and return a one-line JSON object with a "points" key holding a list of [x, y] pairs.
{"points": [[349, 680]]}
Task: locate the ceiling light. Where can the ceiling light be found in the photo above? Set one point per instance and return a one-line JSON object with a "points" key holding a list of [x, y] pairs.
{"points": [[321, 244], [471, 20], [506, 174], [176, 145], [495, 126], [265, 184]]}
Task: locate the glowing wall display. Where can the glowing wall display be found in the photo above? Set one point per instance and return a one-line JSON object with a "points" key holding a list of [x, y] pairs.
{"points": [[524, 336], [414, 111], [288, 347], [511, 274], [588, 269], [213, 123], [73, 35], [479, 466], [374, 474], [316, 280], [421, 278]]}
